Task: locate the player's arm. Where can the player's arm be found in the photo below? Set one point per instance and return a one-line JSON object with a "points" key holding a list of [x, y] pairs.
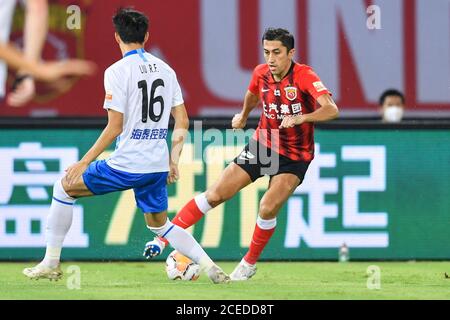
{"points": [[327, 111], [178, 138], [36, 27], [15, 59], [250, 102], [35, 32], [112, 130], [49, 71]]}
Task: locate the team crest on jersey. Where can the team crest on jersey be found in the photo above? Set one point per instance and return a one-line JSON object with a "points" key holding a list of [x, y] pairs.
{"points": [[291, 93]]}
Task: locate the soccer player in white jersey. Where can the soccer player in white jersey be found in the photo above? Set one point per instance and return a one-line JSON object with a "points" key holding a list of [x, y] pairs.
{"points": [[142, 92]]}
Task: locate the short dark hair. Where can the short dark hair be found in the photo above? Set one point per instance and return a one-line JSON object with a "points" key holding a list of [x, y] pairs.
{"points": [[391, 92], [131, 25], [286, 38]]}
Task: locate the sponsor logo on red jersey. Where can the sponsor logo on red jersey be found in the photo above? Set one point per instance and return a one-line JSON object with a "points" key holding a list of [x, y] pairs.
{"points": [[318, 85]]}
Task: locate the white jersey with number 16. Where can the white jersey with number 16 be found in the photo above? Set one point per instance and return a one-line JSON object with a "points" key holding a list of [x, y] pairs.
{"points": [[143, 88]]}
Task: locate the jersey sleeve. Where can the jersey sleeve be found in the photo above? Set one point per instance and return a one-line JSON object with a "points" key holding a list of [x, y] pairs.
{"points": [[311, 83], [177, 94], [115, 95], [253, 86]]}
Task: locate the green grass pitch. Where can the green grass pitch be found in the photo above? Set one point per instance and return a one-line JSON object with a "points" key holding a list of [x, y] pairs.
{"points": [[274, 280]]}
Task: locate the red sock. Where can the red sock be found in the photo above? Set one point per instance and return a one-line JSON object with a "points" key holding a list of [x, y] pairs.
{"points": [[259, 240], [186, 217]]}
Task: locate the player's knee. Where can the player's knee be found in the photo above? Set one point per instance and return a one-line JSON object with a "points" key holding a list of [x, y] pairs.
{"points": [[72, 193], [62, 191], [268, 210], [158, 228], [64, 188], [215, 198]]}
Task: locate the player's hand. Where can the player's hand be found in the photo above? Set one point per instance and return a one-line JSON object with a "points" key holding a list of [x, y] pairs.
{"points": [[23, 91], [290, 121], [174, 175], [53, 71], [238, 121], [74, 172]]}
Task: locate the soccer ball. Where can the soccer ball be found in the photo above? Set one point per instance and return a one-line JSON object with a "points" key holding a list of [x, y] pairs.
{"points": [[179, 267]]}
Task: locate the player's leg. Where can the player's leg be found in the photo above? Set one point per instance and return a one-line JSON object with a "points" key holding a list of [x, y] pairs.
{"points": [[280, 188], [152, 198], [59, 221], [232, 180], [184, 243]]}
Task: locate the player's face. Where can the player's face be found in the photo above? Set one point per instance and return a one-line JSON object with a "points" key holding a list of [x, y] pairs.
{"points": [[277, 56]]}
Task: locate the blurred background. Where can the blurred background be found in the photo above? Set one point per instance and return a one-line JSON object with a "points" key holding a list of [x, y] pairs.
{"points": [[377, 187], [214, 45]]}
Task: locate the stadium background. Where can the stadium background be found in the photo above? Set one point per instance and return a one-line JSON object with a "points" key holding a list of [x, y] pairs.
{"points": [[381, 189]]}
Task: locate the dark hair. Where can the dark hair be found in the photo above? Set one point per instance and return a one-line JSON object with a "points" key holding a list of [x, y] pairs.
{"points": [[286, 38], [131, 25], [391, 92]]}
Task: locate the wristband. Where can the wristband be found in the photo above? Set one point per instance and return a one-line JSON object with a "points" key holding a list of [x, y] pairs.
{"points": [[18, 80]]}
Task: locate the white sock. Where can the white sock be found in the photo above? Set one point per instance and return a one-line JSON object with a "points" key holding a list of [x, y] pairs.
{"points": [[52, 256], [59, 221], [266, 224], [202, 203], [184, 243]]}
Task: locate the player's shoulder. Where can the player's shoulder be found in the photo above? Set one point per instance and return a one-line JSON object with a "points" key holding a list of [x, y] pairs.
{"points": [[303, 71], [116, 67], [161, 63], [302, 68], [261, 69]]}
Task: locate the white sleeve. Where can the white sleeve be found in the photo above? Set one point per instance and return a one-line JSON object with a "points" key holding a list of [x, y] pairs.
{"points": [[177, 95], [115, 95]]}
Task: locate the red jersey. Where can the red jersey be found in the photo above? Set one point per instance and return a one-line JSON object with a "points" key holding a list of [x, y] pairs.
{"points": [[295, 94]]}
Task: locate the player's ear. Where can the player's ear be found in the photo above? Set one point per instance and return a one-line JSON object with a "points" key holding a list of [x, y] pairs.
{"points": [[117, 37], [146, 37], [291, 53]]}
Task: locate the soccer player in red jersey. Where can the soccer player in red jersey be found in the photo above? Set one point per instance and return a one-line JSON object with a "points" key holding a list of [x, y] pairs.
{"points": [[282, 146]]}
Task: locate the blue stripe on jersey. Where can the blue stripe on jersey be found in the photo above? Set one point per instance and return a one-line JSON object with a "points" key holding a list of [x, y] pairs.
{"points": [[129, 53], [139, 51], [141, 54]]}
